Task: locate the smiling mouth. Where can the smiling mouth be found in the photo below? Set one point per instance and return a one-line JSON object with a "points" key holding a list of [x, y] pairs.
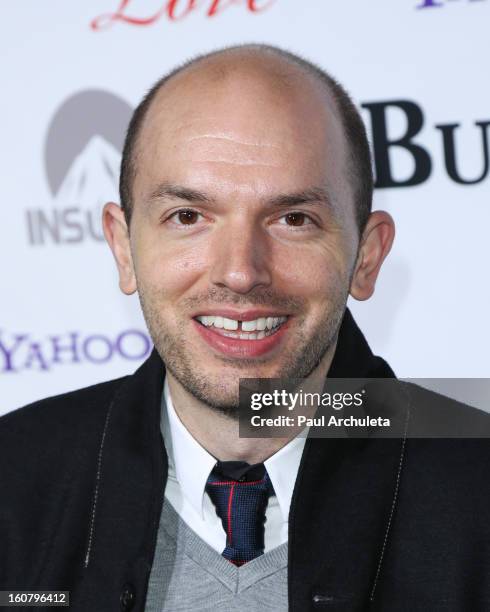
{"points": [[257, 329]]}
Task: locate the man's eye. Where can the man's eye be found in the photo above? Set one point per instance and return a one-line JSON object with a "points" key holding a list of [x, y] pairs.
{"points": [[185, 217], [296, 219]]}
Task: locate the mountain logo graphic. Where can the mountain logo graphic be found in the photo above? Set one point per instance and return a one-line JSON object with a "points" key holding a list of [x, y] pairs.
{"points": [[82, 155], [84, 142]]}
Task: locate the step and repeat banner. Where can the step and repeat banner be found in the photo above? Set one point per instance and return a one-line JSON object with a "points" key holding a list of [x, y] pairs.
{"points": [[72, 74]]}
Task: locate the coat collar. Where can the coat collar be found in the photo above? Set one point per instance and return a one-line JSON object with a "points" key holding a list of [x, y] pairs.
{"points": [[353, 358]]}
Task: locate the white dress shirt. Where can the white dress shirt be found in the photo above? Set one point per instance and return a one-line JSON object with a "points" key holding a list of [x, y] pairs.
{"points": [[189, 465]]}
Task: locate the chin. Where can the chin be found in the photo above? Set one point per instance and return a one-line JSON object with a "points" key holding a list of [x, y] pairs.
{"points": [[230, 380]]}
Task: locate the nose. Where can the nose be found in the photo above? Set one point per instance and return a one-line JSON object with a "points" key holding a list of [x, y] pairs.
{"points": [[241, 259]]}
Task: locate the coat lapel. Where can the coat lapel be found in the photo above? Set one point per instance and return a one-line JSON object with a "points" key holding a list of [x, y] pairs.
{"points": [[343, 501], [129, 480]]}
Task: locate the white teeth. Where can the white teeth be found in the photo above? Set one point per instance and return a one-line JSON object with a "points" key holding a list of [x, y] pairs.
{"points": [[230, 324], [262, 325], [219, 322], [249, 326]]}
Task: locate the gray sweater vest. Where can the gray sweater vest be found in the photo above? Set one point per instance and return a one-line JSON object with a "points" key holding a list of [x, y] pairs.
{"points": [[190, 576]]}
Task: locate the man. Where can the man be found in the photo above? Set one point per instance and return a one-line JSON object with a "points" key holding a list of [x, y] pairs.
{"points": [[245, 224]]}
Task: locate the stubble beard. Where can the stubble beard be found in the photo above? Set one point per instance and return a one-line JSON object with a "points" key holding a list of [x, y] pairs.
{"points": [[216, 391]]}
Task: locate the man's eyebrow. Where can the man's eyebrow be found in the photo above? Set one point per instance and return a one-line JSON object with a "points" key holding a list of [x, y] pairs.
{"points": [[314, 195], [308, 196], [168, 190]]}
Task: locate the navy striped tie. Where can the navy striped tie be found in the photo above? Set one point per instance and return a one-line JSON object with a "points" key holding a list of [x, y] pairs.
{"points": [[240, 493]]}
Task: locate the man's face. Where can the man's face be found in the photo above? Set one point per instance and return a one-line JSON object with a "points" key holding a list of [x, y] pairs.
{"points": [[243, 234]]}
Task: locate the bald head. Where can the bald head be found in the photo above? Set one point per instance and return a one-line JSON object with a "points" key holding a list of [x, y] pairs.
{"points": [[249, 103]]}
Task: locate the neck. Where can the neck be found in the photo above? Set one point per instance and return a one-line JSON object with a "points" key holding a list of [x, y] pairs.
{"points": [[219, 433]]}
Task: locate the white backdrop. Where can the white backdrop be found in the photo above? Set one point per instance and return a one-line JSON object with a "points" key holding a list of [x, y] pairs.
{"points": [[71, 74]]}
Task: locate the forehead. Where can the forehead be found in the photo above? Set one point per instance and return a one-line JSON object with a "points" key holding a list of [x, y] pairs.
{"points": [[252, 126]]}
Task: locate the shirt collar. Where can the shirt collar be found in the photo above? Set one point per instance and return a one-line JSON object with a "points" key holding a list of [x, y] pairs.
{"points": [[193, 464], [282, 468], [191, 461]]}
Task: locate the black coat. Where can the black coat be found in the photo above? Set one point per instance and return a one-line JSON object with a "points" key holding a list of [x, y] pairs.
{"points": [[387, 524]]}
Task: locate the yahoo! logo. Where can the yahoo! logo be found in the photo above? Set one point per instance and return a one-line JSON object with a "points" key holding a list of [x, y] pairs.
{"points": [[20, 352], [173, 10], [437, 3]]}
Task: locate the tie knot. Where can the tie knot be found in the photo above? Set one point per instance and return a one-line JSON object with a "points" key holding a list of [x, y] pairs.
{"points": [[240, 494], [240, 471]]}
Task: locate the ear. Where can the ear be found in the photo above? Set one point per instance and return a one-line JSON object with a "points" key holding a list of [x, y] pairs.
{"points": [[376, 242], [117, 235]]}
